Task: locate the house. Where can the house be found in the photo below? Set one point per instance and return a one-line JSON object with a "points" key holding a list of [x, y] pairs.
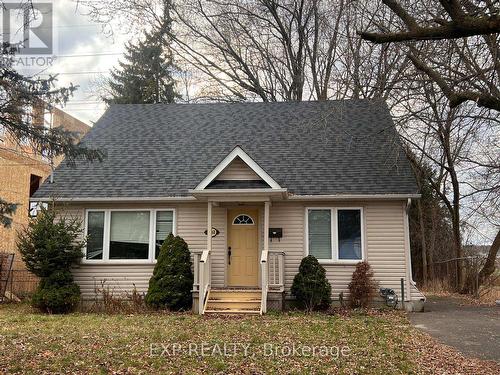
{"points": [[270, 183], [22, 170]]}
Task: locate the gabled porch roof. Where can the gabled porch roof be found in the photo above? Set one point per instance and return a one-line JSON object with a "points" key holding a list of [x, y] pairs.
{"points": [[263, 189]]}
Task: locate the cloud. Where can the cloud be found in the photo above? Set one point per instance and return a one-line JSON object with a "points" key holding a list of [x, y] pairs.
{"points": [[84, 54]]}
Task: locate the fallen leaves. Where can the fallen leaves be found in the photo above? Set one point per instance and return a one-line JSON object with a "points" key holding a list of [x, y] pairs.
{"points": [[380, 342]]}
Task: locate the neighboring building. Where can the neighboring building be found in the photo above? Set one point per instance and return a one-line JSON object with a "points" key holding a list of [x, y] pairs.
{"points": [[271, 183], [22, 171]]}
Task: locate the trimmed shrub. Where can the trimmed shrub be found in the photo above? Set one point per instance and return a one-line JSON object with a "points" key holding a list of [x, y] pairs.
{"points": [[56, 294], [362, 286], [310, 286], [49, 247], [172, 281]]}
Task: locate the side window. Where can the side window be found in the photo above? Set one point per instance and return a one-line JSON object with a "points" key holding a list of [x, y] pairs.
{"points": [[349, 234], [164, 226], [95, 233]]}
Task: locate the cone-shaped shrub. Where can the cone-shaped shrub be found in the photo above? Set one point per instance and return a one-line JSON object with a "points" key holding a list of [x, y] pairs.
{"points": [[172, 281], [310, 286], [362, 286]]}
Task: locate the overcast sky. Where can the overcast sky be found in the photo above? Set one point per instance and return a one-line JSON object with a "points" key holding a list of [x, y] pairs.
{"points": [[84, 54]]}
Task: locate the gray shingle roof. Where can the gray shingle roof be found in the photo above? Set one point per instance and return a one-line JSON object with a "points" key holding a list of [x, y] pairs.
{"points": [[310, 148]]}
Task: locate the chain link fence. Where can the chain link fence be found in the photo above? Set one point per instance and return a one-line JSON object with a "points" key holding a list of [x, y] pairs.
{"points": [[16, 282], [22, 284], [445, 273]]}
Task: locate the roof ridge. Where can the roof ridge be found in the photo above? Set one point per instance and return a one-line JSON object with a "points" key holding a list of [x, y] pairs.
{"points": [[287, 102]]}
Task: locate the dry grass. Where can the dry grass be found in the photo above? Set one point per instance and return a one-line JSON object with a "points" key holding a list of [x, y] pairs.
{"points": [[82, 343], [489, 293]]}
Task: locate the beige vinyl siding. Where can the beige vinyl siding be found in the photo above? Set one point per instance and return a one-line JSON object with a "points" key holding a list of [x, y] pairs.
{"points": [[191, 224], [121, 279], [384, 245], [238, 170]]}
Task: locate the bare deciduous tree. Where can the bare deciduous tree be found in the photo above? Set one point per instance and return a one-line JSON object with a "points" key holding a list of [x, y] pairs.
{"points": [[450, 140], [472, 72], [455, 19]]}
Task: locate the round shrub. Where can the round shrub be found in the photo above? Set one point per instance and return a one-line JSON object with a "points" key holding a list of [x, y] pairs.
{"points": [[172, 281], [310, 286], [56, 294], [362, 286]]}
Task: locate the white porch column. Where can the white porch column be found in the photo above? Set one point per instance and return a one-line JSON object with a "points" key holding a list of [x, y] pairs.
{"points": [[265, 259], [209, 227], [267, 204]]}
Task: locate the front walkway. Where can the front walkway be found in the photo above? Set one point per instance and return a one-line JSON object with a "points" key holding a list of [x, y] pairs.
{"points": [[473, 330]]}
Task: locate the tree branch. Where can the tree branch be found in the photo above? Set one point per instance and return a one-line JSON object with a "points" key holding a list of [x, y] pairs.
{"points": [[461, 25]]}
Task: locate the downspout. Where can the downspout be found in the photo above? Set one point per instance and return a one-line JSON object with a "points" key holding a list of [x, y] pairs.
{"points": [[411, 282], [409, 276]]}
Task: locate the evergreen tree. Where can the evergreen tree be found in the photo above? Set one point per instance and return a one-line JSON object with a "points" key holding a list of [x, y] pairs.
{"points": [[146, 75], [19, 95], [50, 245]]}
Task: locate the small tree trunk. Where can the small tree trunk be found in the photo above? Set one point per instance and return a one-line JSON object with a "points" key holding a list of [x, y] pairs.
{"points": [[457, 240], [489, 266], [430, 250], [422, 241]]}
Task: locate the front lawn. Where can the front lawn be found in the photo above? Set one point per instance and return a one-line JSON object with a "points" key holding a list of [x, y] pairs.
{"points": [[183, 343]]}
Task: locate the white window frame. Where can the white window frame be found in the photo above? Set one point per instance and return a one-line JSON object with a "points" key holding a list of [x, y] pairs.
{"points": [[234, 218], [107, 226], [335, 237]]}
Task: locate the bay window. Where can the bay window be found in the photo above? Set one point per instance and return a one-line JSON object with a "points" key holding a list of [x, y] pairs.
{"points": [[335, 234], [126, 235]]}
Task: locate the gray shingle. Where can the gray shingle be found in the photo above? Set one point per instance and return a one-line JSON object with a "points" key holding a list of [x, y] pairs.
{"points": [[160, 150]]}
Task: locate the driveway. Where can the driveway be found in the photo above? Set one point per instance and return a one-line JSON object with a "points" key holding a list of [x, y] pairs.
{"points": [[473, 330]]}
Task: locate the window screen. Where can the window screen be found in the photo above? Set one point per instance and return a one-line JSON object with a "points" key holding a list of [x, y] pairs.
{"points": [[320, 233]]}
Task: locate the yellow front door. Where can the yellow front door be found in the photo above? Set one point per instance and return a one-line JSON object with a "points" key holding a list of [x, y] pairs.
{"points": [[243, 247]]}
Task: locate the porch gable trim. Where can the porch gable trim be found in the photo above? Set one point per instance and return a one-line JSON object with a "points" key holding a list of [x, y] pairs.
{"points": [[237, 152]]}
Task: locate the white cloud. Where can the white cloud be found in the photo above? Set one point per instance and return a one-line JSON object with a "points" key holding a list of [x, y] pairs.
{"points": [[96, 53]]}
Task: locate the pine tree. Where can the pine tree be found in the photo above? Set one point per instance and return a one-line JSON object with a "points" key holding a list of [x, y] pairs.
{"points": [[146, 75], [50, 245], [19, 95]]}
